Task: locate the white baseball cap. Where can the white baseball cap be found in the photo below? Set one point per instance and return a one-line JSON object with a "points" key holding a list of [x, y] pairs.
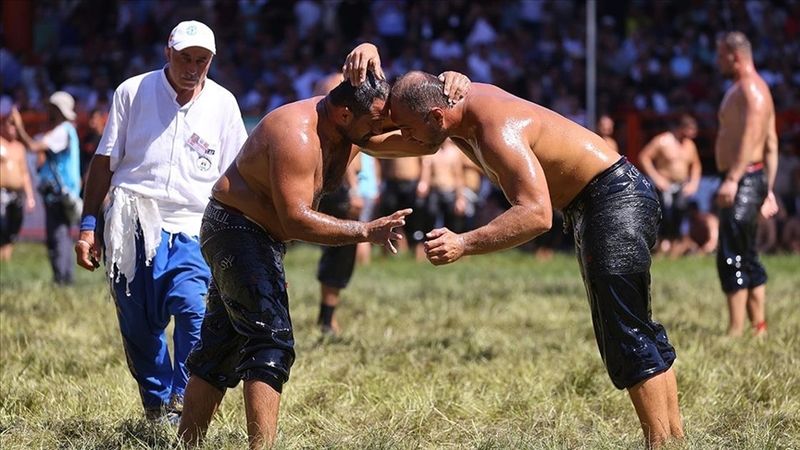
{"points": [[65, 103], [192, 33]]}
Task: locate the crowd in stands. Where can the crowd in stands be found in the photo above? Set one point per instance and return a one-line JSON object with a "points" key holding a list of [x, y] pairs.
{"points": [[656, 58]]}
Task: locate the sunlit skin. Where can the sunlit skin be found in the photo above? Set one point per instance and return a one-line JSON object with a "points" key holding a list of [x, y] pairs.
{"points": [[747, 130], [671, 157], [187, 70], [541, 161], [294, 155], [520, 146], [746, 135]]}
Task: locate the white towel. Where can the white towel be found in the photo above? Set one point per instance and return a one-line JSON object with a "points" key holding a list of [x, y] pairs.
{"points": [[126, 216]]}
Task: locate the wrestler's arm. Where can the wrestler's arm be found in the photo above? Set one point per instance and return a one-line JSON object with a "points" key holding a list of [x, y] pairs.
{"points": [[291, 174], [770, 206], [695, 171], [522, 180], [394, 145], [646, 157]]}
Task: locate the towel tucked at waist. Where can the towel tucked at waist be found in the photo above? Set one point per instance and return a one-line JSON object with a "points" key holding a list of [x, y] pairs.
{"points": [[126, 216]]}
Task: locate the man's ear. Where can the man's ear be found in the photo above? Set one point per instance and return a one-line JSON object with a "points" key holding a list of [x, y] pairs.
{"points": [[437, 115], [166, 52], [342, 115]]}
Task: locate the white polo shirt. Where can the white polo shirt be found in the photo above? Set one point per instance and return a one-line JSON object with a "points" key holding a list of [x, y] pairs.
{"points": [[171, 153]]}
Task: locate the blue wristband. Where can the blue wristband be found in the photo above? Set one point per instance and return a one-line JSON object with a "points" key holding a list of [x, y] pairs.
{"points": [[88, 222]]}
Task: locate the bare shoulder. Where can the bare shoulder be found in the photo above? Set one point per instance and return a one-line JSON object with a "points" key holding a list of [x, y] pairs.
{"points": [[291, 128], [492, 109]]}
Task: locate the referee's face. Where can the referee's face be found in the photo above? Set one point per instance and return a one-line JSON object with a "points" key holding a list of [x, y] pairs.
{"points": [[188, 67]]}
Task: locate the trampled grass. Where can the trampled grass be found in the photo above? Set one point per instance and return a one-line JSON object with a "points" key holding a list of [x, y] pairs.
{"points": [[493, 352]]}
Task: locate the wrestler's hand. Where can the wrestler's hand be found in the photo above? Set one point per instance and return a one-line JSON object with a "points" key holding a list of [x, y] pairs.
{"points": [[456, 85], [423, 189], [381, 231], [443, 246], [461, 205], [770, 206], [689, 189], [362, 58], [727, 193], [30, 203], [87, 254]]}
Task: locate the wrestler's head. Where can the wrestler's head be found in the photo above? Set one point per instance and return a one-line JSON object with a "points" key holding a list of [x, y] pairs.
{"points": [[605, 125], [686, 127], [189, 52], [417, 108], [361, 109], [733, 50]]}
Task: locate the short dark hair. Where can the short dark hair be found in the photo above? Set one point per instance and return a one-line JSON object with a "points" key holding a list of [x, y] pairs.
{"points": [[683, 121], [420, 92], [359, 99]]}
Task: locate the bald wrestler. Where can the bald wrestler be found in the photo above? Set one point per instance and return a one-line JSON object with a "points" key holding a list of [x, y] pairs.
{"points": [[671, 161], [542, 160], [746, 151]]}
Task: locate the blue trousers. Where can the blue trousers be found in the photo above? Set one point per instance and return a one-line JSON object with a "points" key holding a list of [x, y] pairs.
{"points": [[174, 284]]}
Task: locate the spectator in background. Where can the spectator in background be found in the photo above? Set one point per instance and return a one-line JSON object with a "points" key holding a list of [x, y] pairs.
{"points": [[97, 122], [16, 191], [672, 163], [703, 234], [444, 203], [170, 134], [369, 182], [59, 179], [605, 128], [336, 264]]}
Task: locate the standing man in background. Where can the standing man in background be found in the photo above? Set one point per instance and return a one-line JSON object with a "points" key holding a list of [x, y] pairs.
{"points": [[747, 157], [60, 175], [16, 189], [170, 134], [671, 161], [336, 264]]}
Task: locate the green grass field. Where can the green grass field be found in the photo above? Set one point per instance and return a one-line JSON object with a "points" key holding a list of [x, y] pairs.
{"points": [[491, 352]]}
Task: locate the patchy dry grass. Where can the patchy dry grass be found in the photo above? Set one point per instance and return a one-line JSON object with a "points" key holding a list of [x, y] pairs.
{"points": [[493, 352]]}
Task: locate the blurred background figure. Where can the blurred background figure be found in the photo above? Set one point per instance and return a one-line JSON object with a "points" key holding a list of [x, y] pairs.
{"points": [[59, 180], [443, 203], [605, 128], [369, 185], [702, 236], [672, 163], [16, 188], [404, 188]]}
